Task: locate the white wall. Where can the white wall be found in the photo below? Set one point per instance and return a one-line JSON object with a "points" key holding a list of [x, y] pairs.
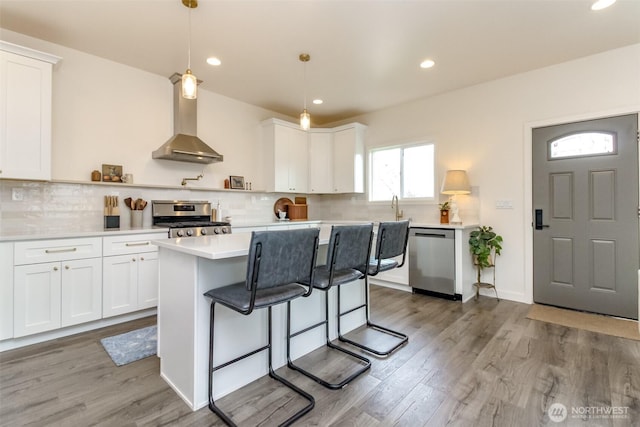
{"points": [[106, 112], [485, 129]]}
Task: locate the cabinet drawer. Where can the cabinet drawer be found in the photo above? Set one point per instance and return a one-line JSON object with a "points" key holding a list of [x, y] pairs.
{"points": [[38, 251], [131, 244]]}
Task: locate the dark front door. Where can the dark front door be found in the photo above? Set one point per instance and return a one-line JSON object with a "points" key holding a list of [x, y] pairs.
{"points": [[585, 201]]}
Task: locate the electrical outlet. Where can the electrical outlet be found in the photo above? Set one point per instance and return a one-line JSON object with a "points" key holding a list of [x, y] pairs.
{"points": [[17, 194]]}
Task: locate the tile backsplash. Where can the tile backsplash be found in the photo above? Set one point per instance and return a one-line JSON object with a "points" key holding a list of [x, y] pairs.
{"points": [[60, 206]]}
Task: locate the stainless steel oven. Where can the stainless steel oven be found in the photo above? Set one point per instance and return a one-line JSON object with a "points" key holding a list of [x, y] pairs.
{"points": [[186, 218]]}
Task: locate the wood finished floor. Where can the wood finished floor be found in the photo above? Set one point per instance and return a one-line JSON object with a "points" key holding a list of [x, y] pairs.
{"points": [[478, 364]]}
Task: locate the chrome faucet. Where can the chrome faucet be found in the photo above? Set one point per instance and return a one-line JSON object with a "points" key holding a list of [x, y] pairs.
{"points": [[395, 205]]}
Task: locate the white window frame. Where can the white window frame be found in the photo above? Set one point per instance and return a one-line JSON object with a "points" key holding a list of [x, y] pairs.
{"points": [[402, 147]]}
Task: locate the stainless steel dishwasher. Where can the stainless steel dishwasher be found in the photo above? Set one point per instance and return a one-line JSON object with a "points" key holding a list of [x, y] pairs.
{"points": [[432, 261]]}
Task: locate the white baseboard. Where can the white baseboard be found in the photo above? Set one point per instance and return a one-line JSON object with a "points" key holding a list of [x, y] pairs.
{"points": [[13, 343], [391, 285]]}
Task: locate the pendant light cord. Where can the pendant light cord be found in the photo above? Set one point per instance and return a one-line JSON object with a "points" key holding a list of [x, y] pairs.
{"points": [[189, 38], [304, 77]]}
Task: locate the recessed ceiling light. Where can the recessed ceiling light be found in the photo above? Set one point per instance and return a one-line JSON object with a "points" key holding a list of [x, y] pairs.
{"points": [[318, 101], [602, 4], [213, 61], [427, 63]]}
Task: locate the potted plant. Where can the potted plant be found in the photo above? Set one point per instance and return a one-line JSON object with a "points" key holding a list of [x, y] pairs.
{"points": [[444, 212], [484, 244]]}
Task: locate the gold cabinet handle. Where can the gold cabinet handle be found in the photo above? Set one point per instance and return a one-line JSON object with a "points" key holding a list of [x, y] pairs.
{"points": [[133, 259], [66, 267], [138, 244], [55, 268], [56, 251], [141, 258]]}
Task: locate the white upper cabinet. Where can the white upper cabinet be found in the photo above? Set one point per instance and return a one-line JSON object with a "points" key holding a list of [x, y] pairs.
{"points": [[25, 112], [286, 157], [320, 162], [348, 158]]}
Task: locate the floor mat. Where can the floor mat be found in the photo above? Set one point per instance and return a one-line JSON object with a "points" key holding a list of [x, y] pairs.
{"points": [[131, 346], [591, 322]]}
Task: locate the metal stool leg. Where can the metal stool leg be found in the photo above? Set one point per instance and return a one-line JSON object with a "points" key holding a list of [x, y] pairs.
{"points": [[213, 407], [403, 338], [334, 386]]}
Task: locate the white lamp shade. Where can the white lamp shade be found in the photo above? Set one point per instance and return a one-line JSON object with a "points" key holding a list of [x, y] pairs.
{"points": [[456, 182], [189, 85]]}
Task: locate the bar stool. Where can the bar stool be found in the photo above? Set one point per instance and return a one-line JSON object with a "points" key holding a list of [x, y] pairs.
{"points": [[278, 262], [391, 242], [347, 260]]}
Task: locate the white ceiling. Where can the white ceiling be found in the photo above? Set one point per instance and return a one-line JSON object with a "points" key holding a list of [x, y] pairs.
{"points": [[364, 54]]}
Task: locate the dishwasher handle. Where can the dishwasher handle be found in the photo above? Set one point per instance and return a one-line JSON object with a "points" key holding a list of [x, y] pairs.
{"points": [[442, 236], [433, 233]]}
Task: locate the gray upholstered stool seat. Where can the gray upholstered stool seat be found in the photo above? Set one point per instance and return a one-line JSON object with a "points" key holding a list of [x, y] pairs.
{"points": [[347, 257], [277, 265], [384, 265], [322, 279], [237, 296], [391, 242]]}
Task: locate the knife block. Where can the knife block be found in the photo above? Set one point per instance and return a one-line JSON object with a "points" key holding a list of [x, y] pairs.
{"points": [[111, 221]]}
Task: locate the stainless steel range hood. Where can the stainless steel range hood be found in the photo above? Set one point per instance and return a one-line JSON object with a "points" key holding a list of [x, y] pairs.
{"points": [[184, 145]]}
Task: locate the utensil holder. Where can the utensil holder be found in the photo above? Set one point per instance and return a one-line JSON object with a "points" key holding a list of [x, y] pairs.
{"points": [[136, 219], [112, 221]]}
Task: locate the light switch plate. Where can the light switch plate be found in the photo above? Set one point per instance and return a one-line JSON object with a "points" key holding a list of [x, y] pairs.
{"points": [[504, 204]]}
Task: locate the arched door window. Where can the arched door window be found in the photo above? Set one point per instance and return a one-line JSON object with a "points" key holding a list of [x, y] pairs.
{"points": [[583, 144]]}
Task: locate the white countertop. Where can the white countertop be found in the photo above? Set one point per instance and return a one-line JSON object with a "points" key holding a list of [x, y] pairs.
{"points": [[463, 226], [241, 224], [41, 233], [44, 232], [220, 246]]}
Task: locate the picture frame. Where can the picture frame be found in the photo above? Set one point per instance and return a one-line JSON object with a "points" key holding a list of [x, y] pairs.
{"points": [[236, 182], [111, 173]]}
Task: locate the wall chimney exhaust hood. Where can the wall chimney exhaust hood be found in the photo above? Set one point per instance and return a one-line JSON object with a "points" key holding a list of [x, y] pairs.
{"points": [[184, 145]]}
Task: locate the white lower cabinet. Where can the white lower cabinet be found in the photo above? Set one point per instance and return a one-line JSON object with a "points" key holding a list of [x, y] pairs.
{"points": [[81, 291], [62, 292], [6, 290], [36, 298], [130, 280]]}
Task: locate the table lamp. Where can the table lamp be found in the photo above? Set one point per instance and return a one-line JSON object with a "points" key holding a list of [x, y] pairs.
{"points": [[455, 182]]}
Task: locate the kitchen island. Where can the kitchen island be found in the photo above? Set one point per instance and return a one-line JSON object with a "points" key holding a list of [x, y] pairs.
{"points": [[189, 267]]}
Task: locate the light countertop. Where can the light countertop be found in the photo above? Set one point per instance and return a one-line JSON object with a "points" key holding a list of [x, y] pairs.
{"points": [[220, 246], [44, 232]]}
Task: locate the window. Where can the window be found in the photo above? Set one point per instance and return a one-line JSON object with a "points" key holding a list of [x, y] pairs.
{"points": [[583, 144], [405, 171]]}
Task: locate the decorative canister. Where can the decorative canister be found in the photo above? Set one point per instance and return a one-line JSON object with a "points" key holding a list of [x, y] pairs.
{"points": [[96, 176], [136, 219]]}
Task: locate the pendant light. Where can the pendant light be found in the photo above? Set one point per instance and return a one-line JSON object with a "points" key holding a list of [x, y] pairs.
{"points": [[189, 81], [305, 117]]}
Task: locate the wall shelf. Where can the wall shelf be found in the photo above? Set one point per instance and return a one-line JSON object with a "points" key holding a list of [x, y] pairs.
{"points": [[153, 186]]}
